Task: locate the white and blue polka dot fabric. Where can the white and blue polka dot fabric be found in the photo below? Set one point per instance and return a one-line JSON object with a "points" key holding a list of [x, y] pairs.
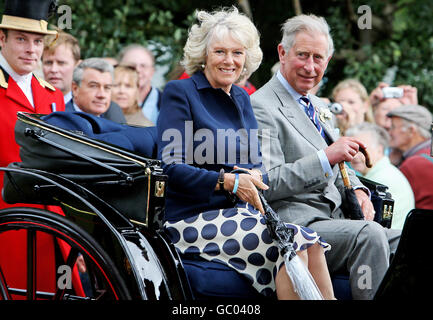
{"points": [[239, 238]]}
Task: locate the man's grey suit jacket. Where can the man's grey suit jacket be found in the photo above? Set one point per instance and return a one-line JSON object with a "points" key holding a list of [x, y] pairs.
{"points": [[299, 190]]}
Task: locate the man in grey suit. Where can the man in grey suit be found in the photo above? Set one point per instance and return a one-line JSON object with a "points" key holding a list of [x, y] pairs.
{"points": [[301, 151]]}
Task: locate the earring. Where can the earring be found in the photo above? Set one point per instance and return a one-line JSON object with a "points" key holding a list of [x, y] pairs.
{"points": [[202, 66]]}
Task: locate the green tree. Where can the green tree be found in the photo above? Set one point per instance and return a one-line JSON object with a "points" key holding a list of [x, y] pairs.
{"points": [[104, 27], [400, 37]]}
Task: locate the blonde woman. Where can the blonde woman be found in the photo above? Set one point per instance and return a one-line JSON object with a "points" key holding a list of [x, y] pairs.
{"points": [[125, 94], [353, 96]]}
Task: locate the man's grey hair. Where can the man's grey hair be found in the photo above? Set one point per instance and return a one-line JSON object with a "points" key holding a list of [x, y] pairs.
{"points": [[310, 23], [379, 134], [134, 46], [92, 63]]}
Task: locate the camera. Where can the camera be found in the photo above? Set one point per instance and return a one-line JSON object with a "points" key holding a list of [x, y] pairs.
{"points": [[392, 92], [335, 108]]}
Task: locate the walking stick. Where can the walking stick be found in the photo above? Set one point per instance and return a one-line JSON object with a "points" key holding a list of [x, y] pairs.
{"points": [[351, 206]]}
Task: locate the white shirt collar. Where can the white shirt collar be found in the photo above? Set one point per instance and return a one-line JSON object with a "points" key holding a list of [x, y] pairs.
{"points": [[296, 96], [77, 108], [67, 97], [23, 81]]}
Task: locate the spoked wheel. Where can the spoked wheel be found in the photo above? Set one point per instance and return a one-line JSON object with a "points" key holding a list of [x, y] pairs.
{"points": [[49, 257]]}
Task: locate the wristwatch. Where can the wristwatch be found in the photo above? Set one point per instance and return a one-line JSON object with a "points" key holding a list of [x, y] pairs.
{"points": [[221, 180]]}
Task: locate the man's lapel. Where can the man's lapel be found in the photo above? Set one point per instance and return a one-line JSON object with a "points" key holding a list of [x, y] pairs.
{"points": [[294, 114], [40, 97]]}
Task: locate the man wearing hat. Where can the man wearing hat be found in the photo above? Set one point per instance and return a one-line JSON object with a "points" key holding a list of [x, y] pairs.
{"points": [[410, 133], [22, 31]]}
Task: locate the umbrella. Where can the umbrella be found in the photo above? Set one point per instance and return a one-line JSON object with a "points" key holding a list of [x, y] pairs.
{"points": [[303, 283], [350, 206]]}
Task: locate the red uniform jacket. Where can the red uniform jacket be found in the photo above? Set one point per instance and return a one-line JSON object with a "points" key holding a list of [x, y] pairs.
{"points": [[12, 100]]}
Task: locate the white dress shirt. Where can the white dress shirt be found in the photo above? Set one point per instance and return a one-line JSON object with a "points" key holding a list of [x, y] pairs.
{"points": [[23, 81]]}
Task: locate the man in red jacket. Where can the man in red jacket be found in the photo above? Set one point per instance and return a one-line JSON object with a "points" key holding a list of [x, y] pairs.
{"points": [[22, 31], [411, 134]]}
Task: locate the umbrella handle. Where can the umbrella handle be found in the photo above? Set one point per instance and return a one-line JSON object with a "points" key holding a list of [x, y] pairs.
{"points": [[367, 157], [343, 170], [266, 206], [344, 174]]}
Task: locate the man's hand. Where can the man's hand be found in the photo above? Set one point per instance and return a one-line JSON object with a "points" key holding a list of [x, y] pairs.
{"points": [[344, 149], [365, 204], [81, 264]]}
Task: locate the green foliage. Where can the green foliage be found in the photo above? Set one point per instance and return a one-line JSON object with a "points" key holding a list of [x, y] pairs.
{"points": [[104, 27], [405, 41]]}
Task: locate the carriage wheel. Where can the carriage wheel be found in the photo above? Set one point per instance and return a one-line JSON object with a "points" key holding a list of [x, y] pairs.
{"points": [[80, 268]]}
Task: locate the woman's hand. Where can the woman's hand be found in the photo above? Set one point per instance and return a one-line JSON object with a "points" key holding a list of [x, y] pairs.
{"points": [[254, 172], [247, 188], [377, 94]]}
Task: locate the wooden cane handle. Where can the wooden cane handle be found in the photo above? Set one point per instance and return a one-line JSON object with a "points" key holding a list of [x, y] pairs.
{"points": [[367, 157], [344, 174]]}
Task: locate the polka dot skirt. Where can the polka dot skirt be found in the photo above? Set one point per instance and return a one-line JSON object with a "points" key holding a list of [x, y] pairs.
{"points": [[239, 238]]}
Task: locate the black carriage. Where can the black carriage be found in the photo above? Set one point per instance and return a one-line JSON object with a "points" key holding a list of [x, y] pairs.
{"points": [[111, 201], [112, 206]]}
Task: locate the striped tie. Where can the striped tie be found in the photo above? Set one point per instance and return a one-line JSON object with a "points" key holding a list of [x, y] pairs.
{"points": [[311, 113]]}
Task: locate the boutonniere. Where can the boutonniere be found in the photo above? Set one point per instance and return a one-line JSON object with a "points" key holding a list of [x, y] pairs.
{"points": [[325, 114]]}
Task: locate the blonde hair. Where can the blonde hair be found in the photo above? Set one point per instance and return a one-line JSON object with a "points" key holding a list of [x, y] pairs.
{"points": [[52, 42], [217, 25], [130, 71], [356, 86], [133, 78]]}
